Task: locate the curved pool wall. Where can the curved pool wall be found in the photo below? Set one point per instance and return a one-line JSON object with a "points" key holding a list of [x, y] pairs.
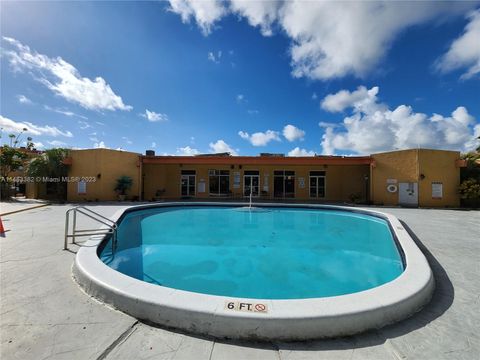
{"points": [[292, 319]]}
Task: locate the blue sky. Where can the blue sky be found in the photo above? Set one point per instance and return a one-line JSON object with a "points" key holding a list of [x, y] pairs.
{"points": [[247, 77]]}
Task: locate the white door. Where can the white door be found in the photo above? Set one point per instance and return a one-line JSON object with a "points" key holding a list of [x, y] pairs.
{"points": [[408, 194]]}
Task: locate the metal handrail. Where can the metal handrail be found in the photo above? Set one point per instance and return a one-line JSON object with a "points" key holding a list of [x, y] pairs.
{"points": [[110, 224]]}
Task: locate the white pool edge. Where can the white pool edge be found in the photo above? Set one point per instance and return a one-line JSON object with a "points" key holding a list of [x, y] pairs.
{"points": [[298, 319]]}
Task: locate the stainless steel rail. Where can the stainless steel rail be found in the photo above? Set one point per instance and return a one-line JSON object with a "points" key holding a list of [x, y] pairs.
{"points": [[111, 226]]}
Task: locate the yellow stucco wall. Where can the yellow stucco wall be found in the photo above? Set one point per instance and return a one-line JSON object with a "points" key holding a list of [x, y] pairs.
{"points": [[439, 166], [408, 166], [105, 167], [341, 181]]}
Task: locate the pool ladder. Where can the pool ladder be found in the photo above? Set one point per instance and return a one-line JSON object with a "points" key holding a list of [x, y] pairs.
{"points": [[111, 226]]}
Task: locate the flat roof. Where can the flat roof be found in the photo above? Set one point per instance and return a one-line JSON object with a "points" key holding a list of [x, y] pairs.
{"points": [[258, 160]]}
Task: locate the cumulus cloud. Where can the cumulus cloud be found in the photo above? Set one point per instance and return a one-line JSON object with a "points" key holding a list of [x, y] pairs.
{"points": [[373, 127], [205, 13], [63, 78], [300, 152], [13, 126], [292, 133], [344, 99], [260, 138], [23, 99], [101, 145], [221, 146], [153, 116], [464, 52], [187, 151], [261, 14], [329, 39]]}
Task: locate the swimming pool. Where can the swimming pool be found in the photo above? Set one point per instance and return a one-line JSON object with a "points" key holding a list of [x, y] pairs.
{"points": [[275, 253], [288, 272]]}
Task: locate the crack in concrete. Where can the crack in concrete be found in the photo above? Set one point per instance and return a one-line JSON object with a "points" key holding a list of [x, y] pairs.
{"points": [[121, 339], [211, 351]]}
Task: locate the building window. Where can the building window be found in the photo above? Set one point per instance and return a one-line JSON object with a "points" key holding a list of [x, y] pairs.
{"points": [[284, 183], [317, 184], [251, 182], [188, 178], [219, 181]]}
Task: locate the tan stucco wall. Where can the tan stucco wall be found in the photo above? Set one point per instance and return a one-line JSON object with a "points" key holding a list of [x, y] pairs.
{"points": [[341, 181], [407, 166], [110, 165], [439, 166]]}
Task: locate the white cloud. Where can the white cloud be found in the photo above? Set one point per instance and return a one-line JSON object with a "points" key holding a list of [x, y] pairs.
{"points": [[465, 50], [56, 143], [253, 112], [153, 116], [325, 124], [187, 151], [127, 140], [101, 145], [221, 146], [154, 145], [329, 39], [38, 145], [314, 96], [373, 127], [260, 138], [300, 152], [205, 13], [344, 99], [9, 125], [214, 57], [258, 13], [240, 98], [63, 78], [84, 125], [23, 99], [292, 133], [63, 112]]}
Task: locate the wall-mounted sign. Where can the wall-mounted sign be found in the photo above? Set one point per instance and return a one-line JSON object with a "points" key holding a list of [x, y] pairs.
{"points": [[81, 187], [391, 181], [236, 180], [201, 187], [437, 190], [301, 182]]}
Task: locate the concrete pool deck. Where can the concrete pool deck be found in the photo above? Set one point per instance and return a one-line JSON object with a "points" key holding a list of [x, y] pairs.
{"points": [[44, 314]]}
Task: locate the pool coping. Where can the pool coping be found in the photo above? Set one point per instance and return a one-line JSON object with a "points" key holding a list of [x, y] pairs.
{"points": [[298, 319]]}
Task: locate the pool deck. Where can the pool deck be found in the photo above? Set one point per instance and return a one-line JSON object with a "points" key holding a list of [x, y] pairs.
{"points": [[45, 315]]}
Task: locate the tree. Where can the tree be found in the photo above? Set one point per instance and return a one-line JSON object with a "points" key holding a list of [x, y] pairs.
{"points": [[50, 164], [11, 160], [470, 179]]}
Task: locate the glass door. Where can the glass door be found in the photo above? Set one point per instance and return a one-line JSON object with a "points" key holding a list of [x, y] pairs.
{"points": [[188, 183], [251, 182], [284, 183], [317, 184]]}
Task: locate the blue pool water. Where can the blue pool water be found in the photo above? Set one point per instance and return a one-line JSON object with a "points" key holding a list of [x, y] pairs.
{"points": [[277, 253]]}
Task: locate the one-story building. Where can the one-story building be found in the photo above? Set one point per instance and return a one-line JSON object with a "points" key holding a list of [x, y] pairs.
{"points": [[416, 177]]}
